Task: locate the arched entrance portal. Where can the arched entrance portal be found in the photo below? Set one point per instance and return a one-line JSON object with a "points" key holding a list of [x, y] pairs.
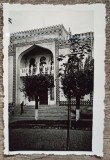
{"points": [[37, 60]]}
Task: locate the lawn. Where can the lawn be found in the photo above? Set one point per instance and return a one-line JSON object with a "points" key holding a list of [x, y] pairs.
{"points": [[48, 139]]}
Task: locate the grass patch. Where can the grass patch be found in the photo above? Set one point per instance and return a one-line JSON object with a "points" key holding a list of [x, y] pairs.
{"points": [[49, 140]]}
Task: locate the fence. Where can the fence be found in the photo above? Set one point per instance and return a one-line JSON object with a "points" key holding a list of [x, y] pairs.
{"points": [[73, 102]]}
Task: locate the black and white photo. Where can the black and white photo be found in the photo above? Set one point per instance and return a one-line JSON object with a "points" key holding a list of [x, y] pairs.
{"points": [[52, 72]]}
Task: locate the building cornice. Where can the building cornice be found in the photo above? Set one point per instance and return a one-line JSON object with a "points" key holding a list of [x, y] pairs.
{"points": [[84, 35], [62, 43], [38, 32]]}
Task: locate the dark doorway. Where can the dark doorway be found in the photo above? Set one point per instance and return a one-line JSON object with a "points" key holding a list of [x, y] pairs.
{"points": [[44, 98]]}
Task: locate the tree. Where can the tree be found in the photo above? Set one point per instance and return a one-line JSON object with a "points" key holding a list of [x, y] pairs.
{"points": [[77, 73], [35, 85]]}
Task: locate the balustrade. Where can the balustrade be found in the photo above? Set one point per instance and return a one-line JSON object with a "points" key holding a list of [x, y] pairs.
{"points": [[47, 69]]}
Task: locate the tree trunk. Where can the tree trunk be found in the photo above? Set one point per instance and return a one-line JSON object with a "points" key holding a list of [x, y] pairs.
{"points": [[77, 108], [36, 107], [68, 127]]}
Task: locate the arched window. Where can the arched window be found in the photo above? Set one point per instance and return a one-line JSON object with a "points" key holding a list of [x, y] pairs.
{"points": [[32, 62], [42, 64], [42, 61], [32, 66]]}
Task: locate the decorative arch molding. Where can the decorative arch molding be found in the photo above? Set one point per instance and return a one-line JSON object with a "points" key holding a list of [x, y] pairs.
{"points": [[31, 48], [61, 44], [16, 65]]}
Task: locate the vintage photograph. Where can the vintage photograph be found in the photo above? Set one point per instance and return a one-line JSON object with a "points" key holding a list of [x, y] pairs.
{"points": [[51, 74], [50, 78]]}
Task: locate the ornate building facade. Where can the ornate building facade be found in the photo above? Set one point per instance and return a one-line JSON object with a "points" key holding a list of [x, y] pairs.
{"points": [[27, 51]]}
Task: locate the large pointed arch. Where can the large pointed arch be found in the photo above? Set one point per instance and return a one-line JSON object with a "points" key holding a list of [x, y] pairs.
{"points": [[28, 54]]}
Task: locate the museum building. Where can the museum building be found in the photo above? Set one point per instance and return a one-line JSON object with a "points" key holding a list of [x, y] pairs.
{"points": [[28, 49]]}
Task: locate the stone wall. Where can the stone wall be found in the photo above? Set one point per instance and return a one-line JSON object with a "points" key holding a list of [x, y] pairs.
{"points": [[107, 86]]}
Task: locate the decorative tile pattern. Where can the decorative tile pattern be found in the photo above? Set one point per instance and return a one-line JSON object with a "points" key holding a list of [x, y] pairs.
{"points": [[57, 71]]}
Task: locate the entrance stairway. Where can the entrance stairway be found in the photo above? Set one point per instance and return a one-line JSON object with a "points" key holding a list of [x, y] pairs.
{"points": [[45, 112]]}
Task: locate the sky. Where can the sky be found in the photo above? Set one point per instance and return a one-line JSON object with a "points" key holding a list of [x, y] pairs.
{"points": [[27, 17]]}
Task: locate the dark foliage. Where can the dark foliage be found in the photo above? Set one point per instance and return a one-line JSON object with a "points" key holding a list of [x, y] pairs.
{"points": [[77, 73], [36, 85]]}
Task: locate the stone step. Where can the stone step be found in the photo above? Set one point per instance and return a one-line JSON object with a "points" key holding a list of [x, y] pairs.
{"points": [[39, 118], [44, 113], [44, 109], [42, 116], [52, 118]]}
